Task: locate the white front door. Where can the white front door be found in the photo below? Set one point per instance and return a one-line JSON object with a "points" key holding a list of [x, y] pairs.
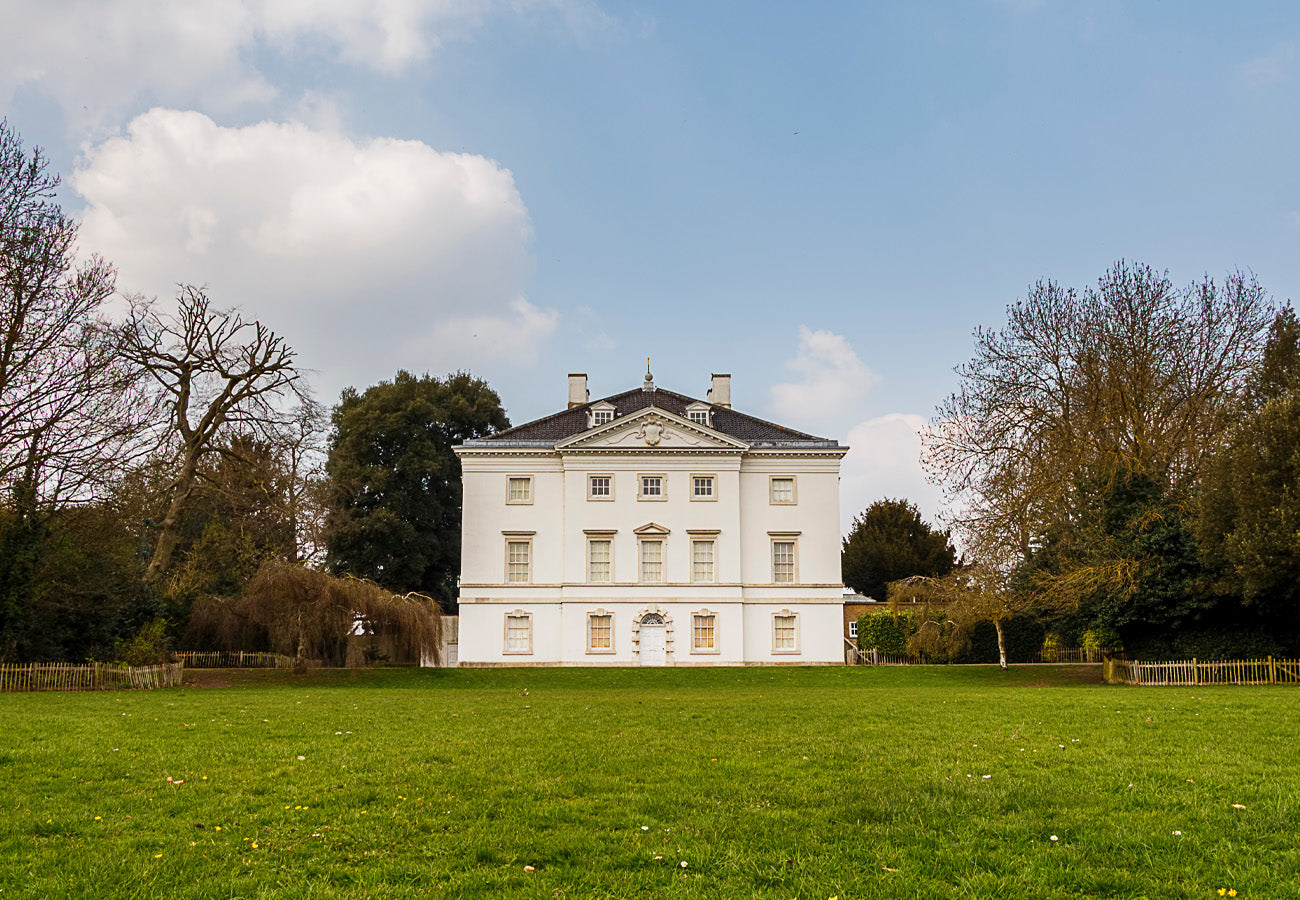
{"points": [[652, 645]]}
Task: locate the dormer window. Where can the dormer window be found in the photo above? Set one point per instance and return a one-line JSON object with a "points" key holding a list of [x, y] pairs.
{"points": [[699, 413], [600, 414]]}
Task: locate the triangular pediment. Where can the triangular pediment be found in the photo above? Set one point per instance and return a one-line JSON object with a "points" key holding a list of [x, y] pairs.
{"points": [[652, 429]]}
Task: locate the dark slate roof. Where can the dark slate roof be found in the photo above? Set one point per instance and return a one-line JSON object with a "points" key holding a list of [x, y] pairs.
{"points": [[559, 426]]}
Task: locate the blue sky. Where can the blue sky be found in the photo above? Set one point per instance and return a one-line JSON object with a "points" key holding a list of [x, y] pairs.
{"points": [[822, 199]]}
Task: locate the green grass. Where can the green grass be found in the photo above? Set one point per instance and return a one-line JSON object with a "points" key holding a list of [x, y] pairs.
{"points": [[780, 783]]}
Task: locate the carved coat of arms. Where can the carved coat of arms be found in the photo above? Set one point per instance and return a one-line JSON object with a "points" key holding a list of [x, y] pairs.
{"points": [[651, 431]]}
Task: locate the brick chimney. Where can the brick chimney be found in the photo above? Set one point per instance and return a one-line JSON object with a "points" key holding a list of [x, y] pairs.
{"points": [[720, 392], [578, 392]]}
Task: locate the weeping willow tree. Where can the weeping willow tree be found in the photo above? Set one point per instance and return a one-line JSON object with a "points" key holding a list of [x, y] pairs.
{"points": [[307, 614], [951, 606]]}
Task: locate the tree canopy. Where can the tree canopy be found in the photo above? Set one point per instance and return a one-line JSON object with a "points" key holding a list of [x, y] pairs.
{"points": [[1132, 376], [888, 541], [1279, 369], [70, 420], [68, 411], [395, 492], [216, 375], [1249, 506], [1077, 440]]}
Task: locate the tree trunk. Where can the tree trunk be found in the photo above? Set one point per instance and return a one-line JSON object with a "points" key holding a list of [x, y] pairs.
{"points": [[300, 655], [1002, 643], [169, 528]]}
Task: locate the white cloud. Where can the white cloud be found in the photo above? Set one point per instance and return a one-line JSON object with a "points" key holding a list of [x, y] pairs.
{"points": [[832, 380], [97, 57], [365, 254], [516, 335], [1269, 70], [884, 460]]}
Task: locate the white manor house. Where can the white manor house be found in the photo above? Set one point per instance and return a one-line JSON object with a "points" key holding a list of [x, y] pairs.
{"points": [[650, 528]]}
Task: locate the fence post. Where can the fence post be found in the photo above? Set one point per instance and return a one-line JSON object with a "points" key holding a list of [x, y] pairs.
{"points": [[1272, 677]]}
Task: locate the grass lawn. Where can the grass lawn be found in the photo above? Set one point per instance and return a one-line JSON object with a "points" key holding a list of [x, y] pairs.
{"points": [[708, 783]]}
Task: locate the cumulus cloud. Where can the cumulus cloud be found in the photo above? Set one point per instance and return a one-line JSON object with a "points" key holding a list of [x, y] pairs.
{"points": [[97, 56], [884, 460], [366, 254], [832, 380]]}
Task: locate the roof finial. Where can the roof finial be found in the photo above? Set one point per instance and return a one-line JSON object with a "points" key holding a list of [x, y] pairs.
{"points": [[649, 379]]}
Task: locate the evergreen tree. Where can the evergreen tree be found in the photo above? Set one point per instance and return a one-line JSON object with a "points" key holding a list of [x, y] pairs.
{"points": [[395, 489], [889, 541]]}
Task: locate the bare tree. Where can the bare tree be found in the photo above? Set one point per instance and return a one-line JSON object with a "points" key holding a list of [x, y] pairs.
{"points": [[216, 374], [303, 454], [70, 411]]}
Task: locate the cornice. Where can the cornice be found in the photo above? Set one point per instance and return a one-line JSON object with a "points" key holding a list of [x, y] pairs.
{"points": [[651, 451], [550, 452], [534, 453], [795, 452]]}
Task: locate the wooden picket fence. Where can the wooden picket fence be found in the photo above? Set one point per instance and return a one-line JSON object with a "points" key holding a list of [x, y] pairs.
{"points": [[854, 656], [87, 677], [1070, 655], [235, 659], [1201, 672]]}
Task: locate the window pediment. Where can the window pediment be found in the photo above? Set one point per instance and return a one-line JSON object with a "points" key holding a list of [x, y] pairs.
{"points": [[700, 414], [600, 413]]}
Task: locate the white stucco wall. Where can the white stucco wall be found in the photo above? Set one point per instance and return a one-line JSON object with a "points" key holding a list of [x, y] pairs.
{"points": [[743, 636], [559, 519]]}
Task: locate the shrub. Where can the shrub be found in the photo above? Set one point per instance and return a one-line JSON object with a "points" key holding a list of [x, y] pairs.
{"points": [[149, 647], [885, 631], [1101, 638]]}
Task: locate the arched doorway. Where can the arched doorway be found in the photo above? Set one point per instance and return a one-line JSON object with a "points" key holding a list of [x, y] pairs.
{"points": [[653, 640]]}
